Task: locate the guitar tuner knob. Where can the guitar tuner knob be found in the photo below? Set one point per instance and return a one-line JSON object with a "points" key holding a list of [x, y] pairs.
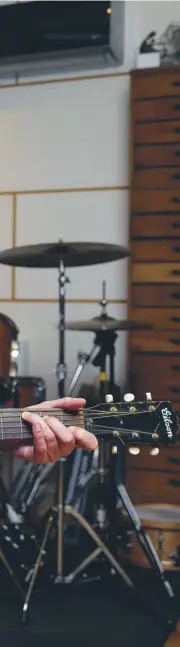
{"points": [[109, 398], [148, 397], [129, 397]]}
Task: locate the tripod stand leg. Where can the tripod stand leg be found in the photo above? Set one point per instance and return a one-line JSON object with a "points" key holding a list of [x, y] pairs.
{"points": [[144, 539], [10, 571], [36, 568], [69, 578], [113, 561]]}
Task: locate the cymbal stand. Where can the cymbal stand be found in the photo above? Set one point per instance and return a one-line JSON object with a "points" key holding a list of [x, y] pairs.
{"points": [[61, 367], [105, 339], [84, 359]]}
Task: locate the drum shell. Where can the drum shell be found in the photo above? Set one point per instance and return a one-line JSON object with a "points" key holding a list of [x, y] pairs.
{"points": [[32, 390], [8, 333], [164, 534]]}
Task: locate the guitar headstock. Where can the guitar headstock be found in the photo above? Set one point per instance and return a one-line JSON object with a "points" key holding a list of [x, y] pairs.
{"points": [[148, 422]]}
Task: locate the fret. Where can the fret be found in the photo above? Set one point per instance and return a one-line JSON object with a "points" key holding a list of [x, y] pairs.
{"points": [[2, 425], [21, 425]]}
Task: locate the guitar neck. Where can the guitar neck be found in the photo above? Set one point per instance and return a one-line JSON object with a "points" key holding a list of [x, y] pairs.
{"points": [[141, 423], [13, 427]]}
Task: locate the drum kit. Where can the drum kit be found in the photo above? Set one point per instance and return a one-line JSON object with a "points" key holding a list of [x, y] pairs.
{"points": [[61, 256]]}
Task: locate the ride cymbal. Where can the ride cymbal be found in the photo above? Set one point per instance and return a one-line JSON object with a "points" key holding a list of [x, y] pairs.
{"points": [[106, 323], [72, 254]]}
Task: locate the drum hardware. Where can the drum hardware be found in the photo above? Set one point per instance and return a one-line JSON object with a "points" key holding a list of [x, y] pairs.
{"points": [[62, 255], [105, 328]]}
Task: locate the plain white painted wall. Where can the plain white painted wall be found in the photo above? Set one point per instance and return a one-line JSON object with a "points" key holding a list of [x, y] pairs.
{"points": [[70, 136]]}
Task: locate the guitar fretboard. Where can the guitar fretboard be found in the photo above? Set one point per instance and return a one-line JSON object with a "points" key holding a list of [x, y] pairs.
{"points": [[13, 427]]}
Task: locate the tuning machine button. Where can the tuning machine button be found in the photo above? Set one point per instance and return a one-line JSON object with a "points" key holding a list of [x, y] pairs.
{"points": [[129, 397], [109, 398]]}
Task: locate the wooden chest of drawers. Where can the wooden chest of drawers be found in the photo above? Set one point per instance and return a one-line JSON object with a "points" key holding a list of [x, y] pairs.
{"points": [[155, 232], [154, 293]]}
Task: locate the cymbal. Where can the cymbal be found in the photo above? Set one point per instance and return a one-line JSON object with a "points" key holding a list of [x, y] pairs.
{"points": [[72, 254], [105, 322]]}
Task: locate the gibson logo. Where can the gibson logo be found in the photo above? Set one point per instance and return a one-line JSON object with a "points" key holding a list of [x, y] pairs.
{"points": [[166, 414]]}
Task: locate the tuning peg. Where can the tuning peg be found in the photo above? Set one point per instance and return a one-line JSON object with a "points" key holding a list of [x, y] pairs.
{"points": [[129, 397], [109, 398], [148, 397]]}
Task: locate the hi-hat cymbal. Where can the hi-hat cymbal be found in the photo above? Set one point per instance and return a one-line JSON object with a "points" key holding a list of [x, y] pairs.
{"points": [[72, 254], [105, 322]]}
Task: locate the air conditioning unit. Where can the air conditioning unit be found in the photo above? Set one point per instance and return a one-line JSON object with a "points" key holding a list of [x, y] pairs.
{"points": [[44, 37]]}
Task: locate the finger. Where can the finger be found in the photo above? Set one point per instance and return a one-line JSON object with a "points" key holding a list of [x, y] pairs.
{"points": [[52, 446], [27, 453], [84, 439], [40, 449], [63, 435], [46, 448], [63, 403]]}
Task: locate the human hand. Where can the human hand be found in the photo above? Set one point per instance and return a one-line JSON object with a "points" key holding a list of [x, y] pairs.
{"points": [[51, 438]]}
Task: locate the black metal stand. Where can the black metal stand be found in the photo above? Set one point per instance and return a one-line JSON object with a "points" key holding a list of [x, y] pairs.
{"points": [[101, 545], [61, 367]]}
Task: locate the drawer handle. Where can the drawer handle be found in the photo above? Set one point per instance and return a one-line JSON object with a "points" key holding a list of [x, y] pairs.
{"points": [[176, 200], [175, 225], [176, 272], [175, 482], [175, 319], [175, 389], [176, 249], [175, 295], [175, 84], [175, 176], [174, 461], [175, 341], [176, 106], [175, 367], [176, 130], [176, 153]]}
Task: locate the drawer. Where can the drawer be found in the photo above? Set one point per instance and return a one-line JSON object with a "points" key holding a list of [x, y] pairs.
{"points": [[144, 486], [155, 273], [155, 374], [165, 132], [159, 341], [156, 366], [162, 390], [168, 459], [150, 84], [155, 295], [161, 226], [157, 178], [157, 109], [150, 156], [154, 201], [156, 250], [167, 318]]}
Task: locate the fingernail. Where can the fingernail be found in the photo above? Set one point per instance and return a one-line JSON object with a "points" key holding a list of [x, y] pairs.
{"points": [[72, 429], [26, 414]]}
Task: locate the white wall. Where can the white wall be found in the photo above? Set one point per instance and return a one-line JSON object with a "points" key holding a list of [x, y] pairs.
{"points": [[64, 155]]}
